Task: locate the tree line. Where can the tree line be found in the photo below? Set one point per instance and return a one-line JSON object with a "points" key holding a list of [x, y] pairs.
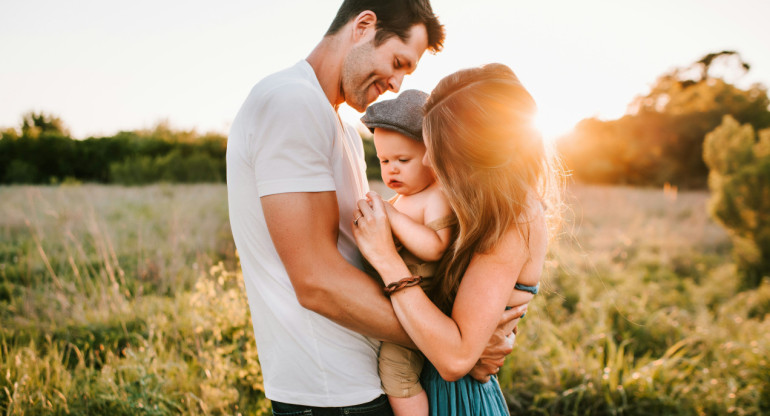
{"points": [[660, 139], [42, 151]]}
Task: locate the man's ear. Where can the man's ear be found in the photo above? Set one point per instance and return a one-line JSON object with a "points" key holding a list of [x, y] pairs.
{"points": [[364, 25]]}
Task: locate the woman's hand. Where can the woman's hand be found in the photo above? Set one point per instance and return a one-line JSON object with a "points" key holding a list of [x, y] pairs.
{"points": [[371, 230], [499, 346]]}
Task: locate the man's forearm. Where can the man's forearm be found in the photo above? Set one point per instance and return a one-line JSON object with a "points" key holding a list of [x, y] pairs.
{"points": [[304, 229], [354, 300]]}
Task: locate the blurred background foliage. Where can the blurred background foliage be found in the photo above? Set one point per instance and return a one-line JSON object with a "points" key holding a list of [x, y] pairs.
{"points": [[660, 139], [42, 152], [739, 160]]}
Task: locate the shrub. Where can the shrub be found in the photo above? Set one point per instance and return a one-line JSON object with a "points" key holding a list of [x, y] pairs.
{"points": [[134, 171], [172, 167], [19, 171], [740, 183]]}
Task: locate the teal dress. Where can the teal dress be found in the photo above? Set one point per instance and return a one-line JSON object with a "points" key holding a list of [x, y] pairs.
{"points": [[465, 397]]}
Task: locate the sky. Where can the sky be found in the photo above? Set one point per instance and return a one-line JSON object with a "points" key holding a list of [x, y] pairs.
{"points": [[105, 66]]}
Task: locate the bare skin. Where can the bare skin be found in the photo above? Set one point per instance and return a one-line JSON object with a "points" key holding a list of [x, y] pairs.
{"points": [[420, 199], [351, 69], [455, 343], [323, 280], [327, 284]]}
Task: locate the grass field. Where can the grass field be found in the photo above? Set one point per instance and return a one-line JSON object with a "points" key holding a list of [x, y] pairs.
{"points": [[128, 301]]}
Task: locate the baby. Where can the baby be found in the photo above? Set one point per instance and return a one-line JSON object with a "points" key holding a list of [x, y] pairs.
{"points": [[422, 224]]}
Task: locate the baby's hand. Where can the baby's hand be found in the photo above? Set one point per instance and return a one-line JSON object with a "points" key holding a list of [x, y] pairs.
{"points": [[389, 208], [370, 198]]}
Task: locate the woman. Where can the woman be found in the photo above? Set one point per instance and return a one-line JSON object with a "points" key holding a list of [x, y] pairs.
{"points": [[496, 173]]}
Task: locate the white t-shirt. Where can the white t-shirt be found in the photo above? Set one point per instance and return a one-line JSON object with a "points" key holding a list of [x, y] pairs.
{"points": [[288, 138]]}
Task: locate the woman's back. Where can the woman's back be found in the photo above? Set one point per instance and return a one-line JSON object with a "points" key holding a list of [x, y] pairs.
{"points": [[537, 242]]}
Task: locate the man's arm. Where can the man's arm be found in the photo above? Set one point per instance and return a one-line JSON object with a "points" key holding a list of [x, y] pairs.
{"points": [[303, 227]]}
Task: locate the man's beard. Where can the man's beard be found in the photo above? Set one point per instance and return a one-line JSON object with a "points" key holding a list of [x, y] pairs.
{"points": [[355, 88]]}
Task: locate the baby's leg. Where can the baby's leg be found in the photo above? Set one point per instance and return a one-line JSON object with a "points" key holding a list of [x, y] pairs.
{"points": [[406, 406], [400, 374]]}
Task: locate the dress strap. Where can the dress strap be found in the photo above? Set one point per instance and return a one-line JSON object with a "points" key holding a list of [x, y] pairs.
{"points": [[531, 289]]}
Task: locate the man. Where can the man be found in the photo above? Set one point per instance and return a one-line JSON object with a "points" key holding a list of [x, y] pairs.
{"points": [[294, 173]]}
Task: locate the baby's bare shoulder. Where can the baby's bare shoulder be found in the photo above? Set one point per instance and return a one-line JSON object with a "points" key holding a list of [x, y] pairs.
{"points": [[436, 204]]}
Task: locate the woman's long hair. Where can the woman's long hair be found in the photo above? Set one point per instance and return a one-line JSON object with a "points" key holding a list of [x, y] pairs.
{"points": [[490, 161]]}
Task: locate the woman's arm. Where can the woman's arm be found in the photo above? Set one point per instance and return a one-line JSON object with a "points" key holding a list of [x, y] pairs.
{"points": [[453, 344]]}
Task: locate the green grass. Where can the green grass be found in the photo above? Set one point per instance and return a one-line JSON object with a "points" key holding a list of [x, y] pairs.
{"points": [[127, 301], [123, 301], [641, 315]]}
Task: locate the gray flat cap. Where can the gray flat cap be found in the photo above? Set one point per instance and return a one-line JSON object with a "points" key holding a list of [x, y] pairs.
{"points": [[402, 114]]}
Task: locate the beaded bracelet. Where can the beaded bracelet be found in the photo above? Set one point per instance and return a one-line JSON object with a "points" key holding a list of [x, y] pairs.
{"points": [[405, 282]]}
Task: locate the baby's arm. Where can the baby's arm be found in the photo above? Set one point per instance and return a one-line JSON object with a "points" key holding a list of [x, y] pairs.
{"points": [[420, 240]]}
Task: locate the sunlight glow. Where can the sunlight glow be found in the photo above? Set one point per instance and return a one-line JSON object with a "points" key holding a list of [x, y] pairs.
{"points": [[103, 81], [553, 126]]}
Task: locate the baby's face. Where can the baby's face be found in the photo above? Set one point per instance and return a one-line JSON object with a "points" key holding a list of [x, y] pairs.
{"points": [[401, 162]]}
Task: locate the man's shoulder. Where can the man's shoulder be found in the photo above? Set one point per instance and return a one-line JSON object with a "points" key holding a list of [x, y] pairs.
{"points": [[291, 86], [287, 102]]}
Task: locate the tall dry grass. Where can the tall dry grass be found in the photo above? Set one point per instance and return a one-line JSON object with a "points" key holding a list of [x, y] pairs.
{"points": [[640, 314], [121, 300]]}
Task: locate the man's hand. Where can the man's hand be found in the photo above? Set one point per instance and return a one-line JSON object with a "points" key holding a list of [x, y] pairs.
{"points": [[499, 346]]}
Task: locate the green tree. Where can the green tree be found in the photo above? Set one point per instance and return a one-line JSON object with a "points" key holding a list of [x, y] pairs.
{"points": [[661, 138], [41, 151], [740, 183], [19, 171], [34, 124]]}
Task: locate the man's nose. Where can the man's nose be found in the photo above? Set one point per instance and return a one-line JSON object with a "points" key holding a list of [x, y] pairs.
{"points": [[394, 83]]}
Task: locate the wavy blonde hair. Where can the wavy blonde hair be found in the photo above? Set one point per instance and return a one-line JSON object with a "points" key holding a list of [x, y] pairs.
{"points": [[490, 161]]}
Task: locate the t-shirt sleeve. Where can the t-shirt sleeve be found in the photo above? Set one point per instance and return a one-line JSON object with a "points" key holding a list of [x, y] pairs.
{"points": [[294, 142]]}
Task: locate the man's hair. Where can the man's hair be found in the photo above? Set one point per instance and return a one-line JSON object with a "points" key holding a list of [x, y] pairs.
{"points": [[394, 18]]}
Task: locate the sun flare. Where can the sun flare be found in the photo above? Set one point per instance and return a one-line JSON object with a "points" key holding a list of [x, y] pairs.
{"points": [[553, 126]]}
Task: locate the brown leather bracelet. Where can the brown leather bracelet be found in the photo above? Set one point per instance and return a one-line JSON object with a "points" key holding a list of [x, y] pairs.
{"points": [[403, 283]]}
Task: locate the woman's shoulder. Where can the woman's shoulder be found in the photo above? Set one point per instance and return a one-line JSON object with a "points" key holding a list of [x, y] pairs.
{"points": [[534, 210], [532, 219], [534, 234], [528, 234]]}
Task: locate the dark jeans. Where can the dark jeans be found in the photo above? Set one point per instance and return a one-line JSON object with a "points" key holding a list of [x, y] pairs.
{"points": [[376, 407]]}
